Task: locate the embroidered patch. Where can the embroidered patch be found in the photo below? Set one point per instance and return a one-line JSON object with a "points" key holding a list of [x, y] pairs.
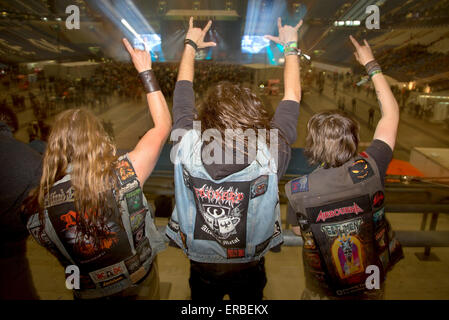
{"points": [[381, 240], [234, 253], [309, 242], [300, 185], [134, 200], [108, 273], [144, 250], [340, 210], [110, 282], [360, 171], [378, 216], [137, 219], [364, 154], [313, 259], [125, 172], [133, 264], [139, 236], [259, 187], [378, 199]]}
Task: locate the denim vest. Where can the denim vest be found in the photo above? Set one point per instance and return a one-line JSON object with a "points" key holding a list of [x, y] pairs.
{"points": [[122, 257], [232, 220], [342, 217]]}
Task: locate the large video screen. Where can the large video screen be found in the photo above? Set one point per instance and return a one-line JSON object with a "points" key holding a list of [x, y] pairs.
{"points": [[254, 44], [153, 42]]}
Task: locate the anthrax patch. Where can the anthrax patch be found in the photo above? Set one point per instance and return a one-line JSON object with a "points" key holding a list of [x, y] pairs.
{"points": [[259, 187], [300, 184], [360, 171]]}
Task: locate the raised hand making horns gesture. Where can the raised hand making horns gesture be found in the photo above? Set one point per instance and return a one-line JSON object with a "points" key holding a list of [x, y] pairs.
{"points": [[197, 35], [286, 33]]}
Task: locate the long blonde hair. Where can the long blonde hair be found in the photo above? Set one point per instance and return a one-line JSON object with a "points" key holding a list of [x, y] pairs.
{"points": [[78, 139]]}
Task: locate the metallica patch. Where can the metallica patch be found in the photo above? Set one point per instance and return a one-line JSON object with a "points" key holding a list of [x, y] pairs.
{"points": [[221, 211], [360, 170]]}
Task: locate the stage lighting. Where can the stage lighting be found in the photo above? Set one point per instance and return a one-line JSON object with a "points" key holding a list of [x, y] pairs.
{"points": [[254, 44]]}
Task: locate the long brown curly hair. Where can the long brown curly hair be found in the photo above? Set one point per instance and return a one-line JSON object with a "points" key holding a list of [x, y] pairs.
{"points": [[233, 106], [79, 140]]}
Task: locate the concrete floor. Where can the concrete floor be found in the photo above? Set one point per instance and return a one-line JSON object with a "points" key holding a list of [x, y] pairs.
{"points": [[410, 279]]}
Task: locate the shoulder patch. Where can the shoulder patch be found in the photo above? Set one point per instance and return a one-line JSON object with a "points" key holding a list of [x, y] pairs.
{"points": [[125, 171], [259, 187], [300, 184], [360, 170], [364, 154]]}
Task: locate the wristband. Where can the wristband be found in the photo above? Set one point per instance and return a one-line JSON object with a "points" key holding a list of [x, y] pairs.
{"points": [[291, 48], [372, 66], [191, 43], [372, 74], [149, 81]]}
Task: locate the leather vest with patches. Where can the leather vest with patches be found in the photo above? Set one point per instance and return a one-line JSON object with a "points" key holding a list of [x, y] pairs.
{"points": [[123, 254], [232, 220], [342, 218]]}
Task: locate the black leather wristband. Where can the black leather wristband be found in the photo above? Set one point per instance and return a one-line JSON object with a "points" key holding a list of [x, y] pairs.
{"points": [[191, 43], [149, 81]]}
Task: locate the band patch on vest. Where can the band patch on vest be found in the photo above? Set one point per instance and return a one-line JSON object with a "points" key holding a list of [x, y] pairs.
{"points": [[108, 273], [221, 212], [347, 255], [360, 171], [139, 236], [313, 259], [125, 171], [309, 242], [144, 250], [259, 187], [133, 264], [378, 216], [137, 219], [381, 240], [378, 199], [344, 246], [340, 210], [134, 200], [235, 253], [300, 185]]}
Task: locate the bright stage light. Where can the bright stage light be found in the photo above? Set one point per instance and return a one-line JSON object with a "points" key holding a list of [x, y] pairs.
{"points": [[254, 44]]}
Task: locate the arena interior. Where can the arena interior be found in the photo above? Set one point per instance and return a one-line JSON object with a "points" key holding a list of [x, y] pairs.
{"points": [[46, 68]]}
